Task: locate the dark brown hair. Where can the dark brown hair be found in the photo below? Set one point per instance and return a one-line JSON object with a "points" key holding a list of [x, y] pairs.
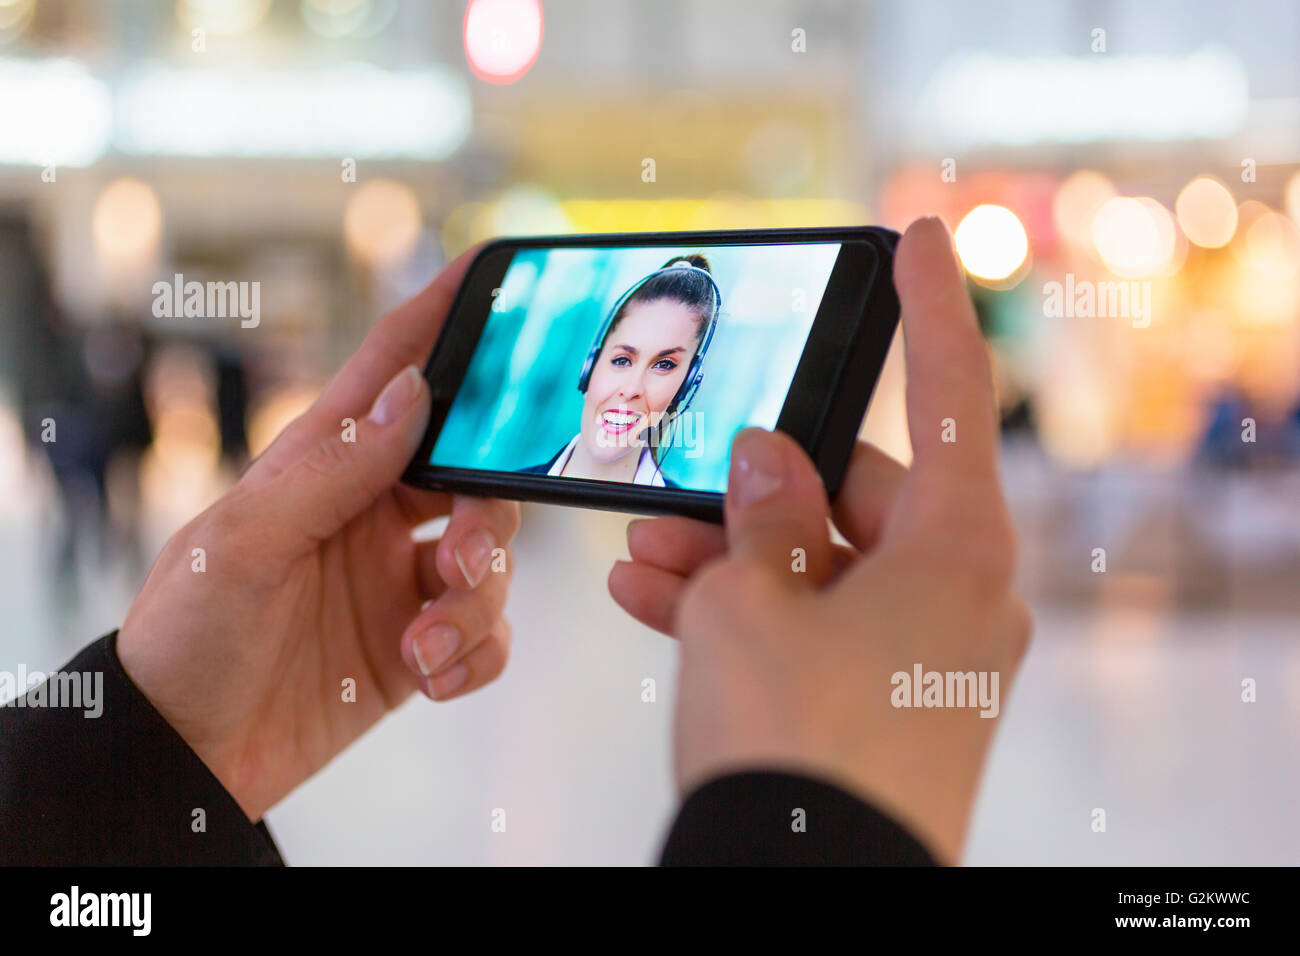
{"points": [[686, 286]]}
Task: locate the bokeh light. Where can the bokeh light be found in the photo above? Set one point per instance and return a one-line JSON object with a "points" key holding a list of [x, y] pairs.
{"points": [[1207, 212], [1273, 245], [334, 19], [127, 222], [382, 222], [991, 242], [1135, 236], [222, 16], [1076, 204], [502, 38], [1293, 197]]}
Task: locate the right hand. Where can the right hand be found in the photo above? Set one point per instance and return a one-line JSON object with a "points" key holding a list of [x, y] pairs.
{"points": [[790, 670]]}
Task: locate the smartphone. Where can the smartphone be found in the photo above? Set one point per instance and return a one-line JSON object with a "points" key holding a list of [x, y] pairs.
{"points": [[613, 371]]}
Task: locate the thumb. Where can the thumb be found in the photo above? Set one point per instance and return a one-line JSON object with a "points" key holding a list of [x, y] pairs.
{"points": [[776, 507], [345, 473]]}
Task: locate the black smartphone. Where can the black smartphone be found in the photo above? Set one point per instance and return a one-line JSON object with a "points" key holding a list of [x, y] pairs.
{"points": [[613, 371]]}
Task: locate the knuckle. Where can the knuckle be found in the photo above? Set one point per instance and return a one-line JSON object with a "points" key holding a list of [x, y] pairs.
{"points": [[331, 457]]}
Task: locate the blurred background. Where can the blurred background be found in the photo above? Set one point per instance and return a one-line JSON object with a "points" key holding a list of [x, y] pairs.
{"points": [[337, 152]]}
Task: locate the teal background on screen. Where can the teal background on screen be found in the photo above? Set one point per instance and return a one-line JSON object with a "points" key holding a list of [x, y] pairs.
{"points": [[519, 403]]}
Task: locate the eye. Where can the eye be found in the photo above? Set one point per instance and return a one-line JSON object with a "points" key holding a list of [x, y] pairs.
{"points": [[665, 365], [622, 361]]}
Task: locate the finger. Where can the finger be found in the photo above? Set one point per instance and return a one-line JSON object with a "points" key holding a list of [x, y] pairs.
{"points": [[419, 505], [430, 563], [344, 474], [478, 668], [776, 508], [650, 594], [950, 407], [870, 485], [842, 558], [675, 544], [473, 546], [405, 336], [449, 629]]}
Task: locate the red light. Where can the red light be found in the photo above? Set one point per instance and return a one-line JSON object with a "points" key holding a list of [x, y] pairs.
{"points": [[502, 38]]}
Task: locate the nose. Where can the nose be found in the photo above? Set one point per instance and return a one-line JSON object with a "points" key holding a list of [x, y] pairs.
{"points": [[629, 391]]}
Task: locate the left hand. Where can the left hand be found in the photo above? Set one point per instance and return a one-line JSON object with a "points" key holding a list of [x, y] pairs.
{"points": [[311, 578]]}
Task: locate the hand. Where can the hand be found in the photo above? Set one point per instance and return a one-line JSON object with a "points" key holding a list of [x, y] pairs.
{"points": [[311, 578], [789, 669]]}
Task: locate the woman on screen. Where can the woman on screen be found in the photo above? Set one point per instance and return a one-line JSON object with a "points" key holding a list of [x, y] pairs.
{"points": [[641, 373]]}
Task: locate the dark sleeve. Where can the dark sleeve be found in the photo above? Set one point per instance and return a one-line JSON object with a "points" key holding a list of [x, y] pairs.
{"points": [[117, 788], [751, 819]]}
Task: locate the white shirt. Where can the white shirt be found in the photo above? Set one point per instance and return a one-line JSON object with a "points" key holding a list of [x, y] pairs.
{"points": [[647, 472]]}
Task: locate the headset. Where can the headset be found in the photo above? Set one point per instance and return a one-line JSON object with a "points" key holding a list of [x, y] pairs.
{"points": [[694, 372]]}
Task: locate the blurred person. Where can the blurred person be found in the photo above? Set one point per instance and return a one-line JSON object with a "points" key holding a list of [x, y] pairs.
{"points": [[232, 405], [638, 382], [231, 679], [81, 400]]}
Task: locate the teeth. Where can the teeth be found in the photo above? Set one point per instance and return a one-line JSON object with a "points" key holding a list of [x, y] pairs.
{"points": [[619, 418]]}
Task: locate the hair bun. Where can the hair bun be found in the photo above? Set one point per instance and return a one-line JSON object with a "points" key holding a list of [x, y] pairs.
{"points": [[694, 259]]}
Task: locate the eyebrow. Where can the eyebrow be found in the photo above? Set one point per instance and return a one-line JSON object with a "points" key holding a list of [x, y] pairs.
{"points": [[635, 351]]}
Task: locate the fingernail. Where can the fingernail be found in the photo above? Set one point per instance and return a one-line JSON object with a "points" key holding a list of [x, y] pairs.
{"points": [[473, 555], [757, 469], [435, 647], [396, 396], [448, 681]]}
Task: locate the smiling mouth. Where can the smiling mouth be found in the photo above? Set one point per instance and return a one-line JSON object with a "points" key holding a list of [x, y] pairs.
{"points": [[616, 423]]}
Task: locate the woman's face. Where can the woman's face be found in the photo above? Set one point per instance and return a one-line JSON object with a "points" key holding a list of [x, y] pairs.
{"points": [[637, 373]]}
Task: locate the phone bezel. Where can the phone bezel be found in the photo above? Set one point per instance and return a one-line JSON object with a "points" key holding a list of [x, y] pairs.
{"points": [[832, 385]]}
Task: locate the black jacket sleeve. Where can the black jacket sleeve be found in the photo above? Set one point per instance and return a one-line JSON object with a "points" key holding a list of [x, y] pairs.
{"points": [[118, 788], [123, 787], [780, 819]]}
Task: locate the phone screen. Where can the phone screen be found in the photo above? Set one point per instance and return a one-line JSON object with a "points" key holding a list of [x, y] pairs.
{"points": [[634, 364]]}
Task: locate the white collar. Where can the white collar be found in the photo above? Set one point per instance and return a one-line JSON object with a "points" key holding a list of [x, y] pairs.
{"points": [[647, 472]]}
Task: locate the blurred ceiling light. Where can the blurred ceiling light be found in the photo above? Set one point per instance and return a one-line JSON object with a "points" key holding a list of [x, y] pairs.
{"points": [[127, 223], [222, 16], [354, 110], [1293, 197], [382, 222], [987, 98], [1207, 212], [991, 242], [718, 212], [1076, 204], [14, 17], [1135, 237], [334, 19], [54, 112], [502, 38]]}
